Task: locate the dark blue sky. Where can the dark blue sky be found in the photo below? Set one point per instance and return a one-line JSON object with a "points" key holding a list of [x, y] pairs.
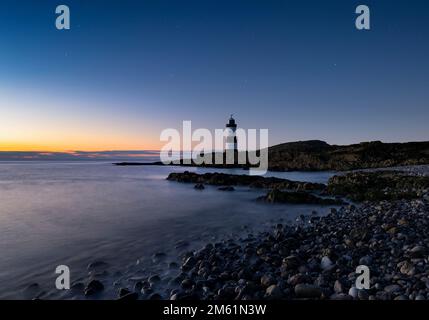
{"points": [[128, 69]]}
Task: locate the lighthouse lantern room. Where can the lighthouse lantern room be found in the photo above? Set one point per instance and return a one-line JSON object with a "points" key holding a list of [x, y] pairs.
{"points": [[231, 138]]}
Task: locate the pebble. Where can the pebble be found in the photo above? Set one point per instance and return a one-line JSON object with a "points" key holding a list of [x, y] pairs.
{"points": [[326, 263], [353, 292], [129, 296], [393, 288], [154, 279], [267, 280], [273, 292], [307, 291]]}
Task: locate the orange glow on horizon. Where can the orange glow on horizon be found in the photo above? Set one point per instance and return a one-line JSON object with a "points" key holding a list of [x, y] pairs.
{"points": [[33, 121], [69, 148]]}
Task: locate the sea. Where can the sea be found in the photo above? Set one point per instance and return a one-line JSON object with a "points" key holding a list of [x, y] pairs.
{"points": [[74, 213]]}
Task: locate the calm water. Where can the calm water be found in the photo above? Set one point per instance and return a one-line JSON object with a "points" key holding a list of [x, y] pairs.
{"points": [[54, 213]]}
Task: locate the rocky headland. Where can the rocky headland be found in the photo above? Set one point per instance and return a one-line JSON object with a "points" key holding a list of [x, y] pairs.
{"points": [[316, 155]]}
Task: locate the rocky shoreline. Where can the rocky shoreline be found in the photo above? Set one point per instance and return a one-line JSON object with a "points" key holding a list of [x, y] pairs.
{"points": [[314, 258], [318, 260], [378, 185]]}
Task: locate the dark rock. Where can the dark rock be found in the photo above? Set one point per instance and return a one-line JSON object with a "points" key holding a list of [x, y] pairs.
{"points": [[226, 180], [154, 279], [307, 291], [291, 262], [363, 295], [273, 292], [267, 280], [393, 288], [227, 188], [138, 286], [298, 278], [189, 263], [155, 296], [147, 291], [158, 256], [418, 252], [407, 268], [129, 296], [184, 296], [277, 196], [366, 261], [340, 296], [187, 284], [123, 292], [339, 287], [93, 287], [199, 186]]}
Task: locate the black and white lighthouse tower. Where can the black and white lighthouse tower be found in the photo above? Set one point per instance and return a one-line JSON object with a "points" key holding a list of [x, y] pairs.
{"points": [[231, 138]]}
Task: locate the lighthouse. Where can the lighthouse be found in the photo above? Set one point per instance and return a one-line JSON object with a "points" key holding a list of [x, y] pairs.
{"points": [[231, 138]]}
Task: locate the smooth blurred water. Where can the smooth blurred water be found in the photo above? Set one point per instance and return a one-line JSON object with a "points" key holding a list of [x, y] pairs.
{"points": [[73, 213]]}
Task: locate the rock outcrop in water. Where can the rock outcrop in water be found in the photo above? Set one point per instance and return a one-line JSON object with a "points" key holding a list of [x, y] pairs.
{"points": [[223, 179], [356, 186]]}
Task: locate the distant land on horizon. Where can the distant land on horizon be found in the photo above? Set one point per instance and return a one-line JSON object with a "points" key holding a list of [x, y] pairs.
{"points": [[317, 155], [310, 155]]}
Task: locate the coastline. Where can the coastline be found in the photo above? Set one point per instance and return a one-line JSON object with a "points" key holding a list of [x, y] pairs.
{"points": [[287, 258], [313, 258], [318, 261], [317, 155]]}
